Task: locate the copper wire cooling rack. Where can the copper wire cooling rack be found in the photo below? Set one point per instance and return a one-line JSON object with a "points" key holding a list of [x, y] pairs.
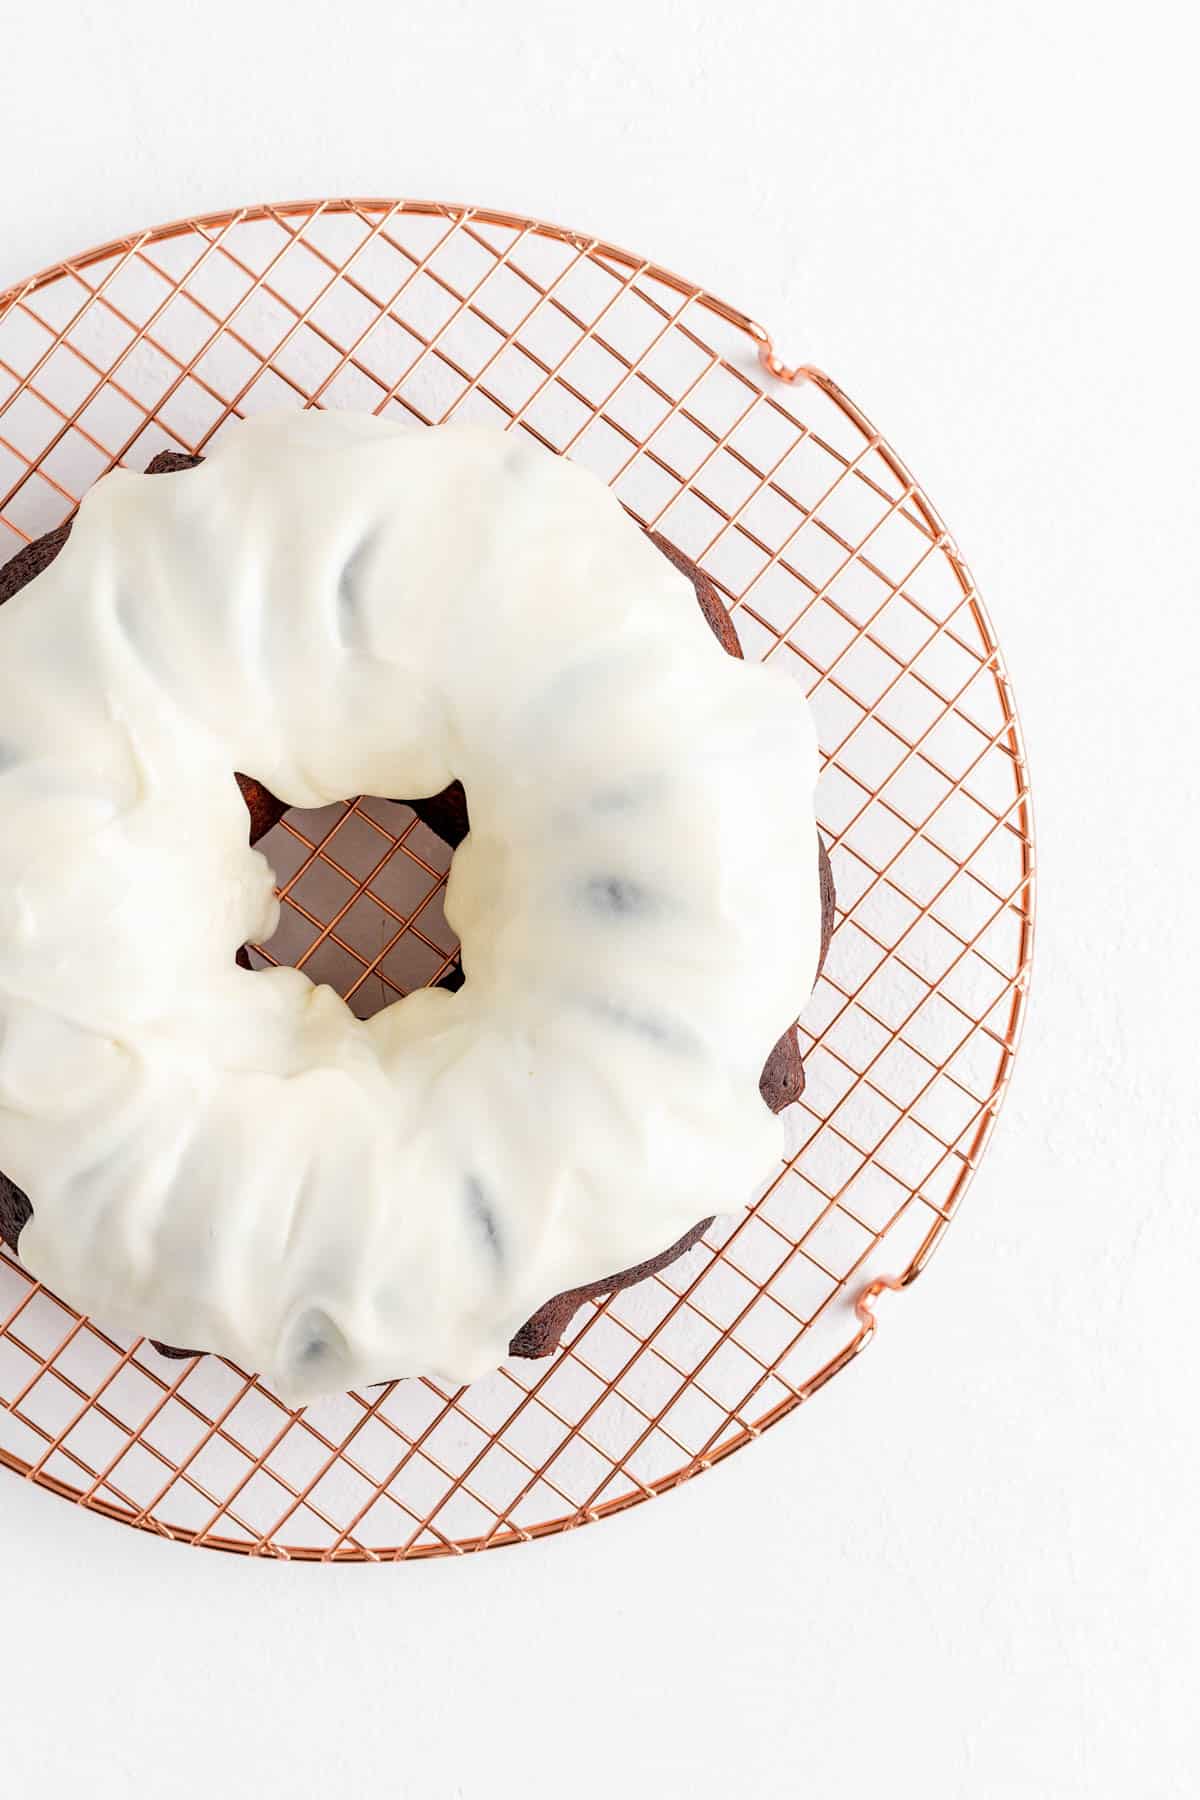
{"points": [[837, 568]]}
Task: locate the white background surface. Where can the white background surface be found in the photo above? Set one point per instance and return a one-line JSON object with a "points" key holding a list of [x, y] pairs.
{"points": [[970, 1568]]}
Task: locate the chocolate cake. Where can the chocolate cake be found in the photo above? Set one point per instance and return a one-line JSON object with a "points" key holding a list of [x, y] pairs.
{"points": [[446, 814]]}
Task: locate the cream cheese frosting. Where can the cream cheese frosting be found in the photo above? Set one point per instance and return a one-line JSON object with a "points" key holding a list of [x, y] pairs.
{"points": [[336, 604]]}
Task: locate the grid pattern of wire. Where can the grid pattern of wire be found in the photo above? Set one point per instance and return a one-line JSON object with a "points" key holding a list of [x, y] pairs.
{"points": [[835, 567]]}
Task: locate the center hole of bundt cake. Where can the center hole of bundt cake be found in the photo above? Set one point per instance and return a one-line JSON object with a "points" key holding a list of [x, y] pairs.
{"points": [[361, 887]]}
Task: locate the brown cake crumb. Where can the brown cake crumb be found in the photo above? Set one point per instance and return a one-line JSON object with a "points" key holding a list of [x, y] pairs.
{"points": [[15, 1211]]}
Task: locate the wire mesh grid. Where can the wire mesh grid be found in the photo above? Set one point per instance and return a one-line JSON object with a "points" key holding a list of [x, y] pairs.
{"points": [[836, 567]]}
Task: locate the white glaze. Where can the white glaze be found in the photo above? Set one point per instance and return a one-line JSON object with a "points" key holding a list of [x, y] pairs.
{"points": [[334, 605]]}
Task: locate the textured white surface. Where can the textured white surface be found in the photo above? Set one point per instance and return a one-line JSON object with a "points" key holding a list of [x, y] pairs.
{"points": [[969, 1569]]}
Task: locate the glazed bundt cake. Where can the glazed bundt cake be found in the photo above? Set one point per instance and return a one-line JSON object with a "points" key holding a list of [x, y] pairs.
{"points": [[447, 814]]}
